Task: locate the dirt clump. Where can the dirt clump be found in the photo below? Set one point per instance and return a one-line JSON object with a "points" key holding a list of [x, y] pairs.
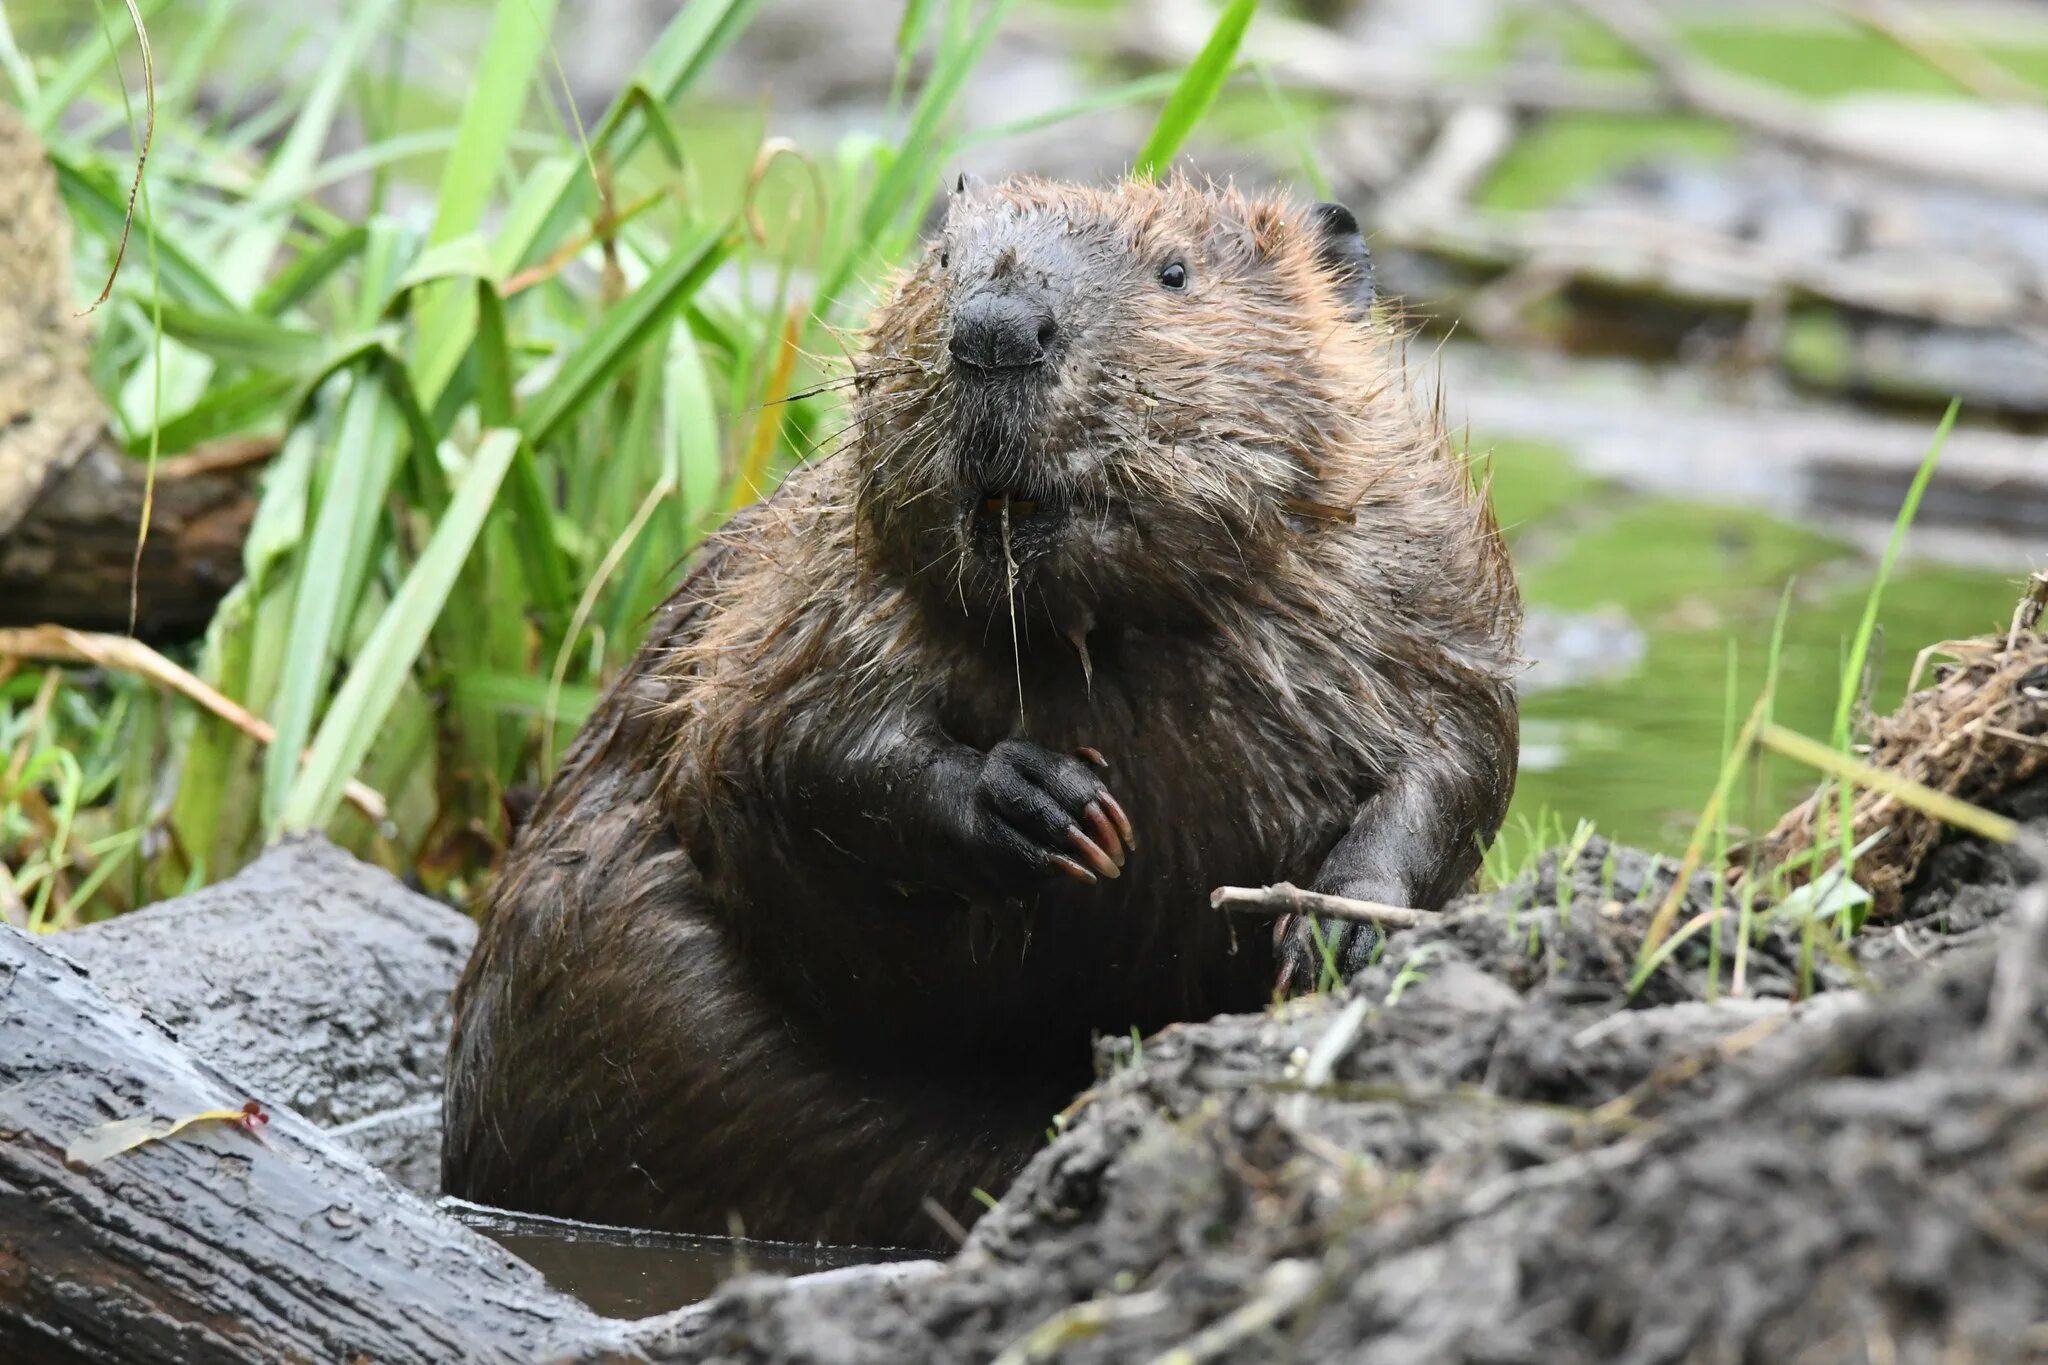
{"points": [[1485, 1149]]}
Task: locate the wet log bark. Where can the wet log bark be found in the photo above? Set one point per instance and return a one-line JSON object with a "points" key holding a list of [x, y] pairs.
{"points": [[71, 557], [319, 980], [217, 1244]]}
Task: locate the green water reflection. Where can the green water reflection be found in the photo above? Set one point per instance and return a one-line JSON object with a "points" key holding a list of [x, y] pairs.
{"points": [[1638, 753]]}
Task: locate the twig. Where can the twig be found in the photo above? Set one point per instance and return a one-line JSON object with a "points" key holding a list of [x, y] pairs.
{"points": [[1076, 1323], [1629, 249], [124, 654], [225, 456], [2027, 615], [1312, 57], [948, 1224], [1763, 110], [1335, 1042], [1288, 899], [1466, 149], [1283, 1290], [1912, 29]]}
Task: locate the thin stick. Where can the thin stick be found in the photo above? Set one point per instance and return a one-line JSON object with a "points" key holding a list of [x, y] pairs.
{"points": [[1760, 108], [1288, 899], [124, 654], [225, 456], [2027, 615], [1913, 30], [1283, 1291]]}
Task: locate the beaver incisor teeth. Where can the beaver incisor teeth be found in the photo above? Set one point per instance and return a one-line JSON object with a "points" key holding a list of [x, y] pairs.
{"points": [[1018, 507]]}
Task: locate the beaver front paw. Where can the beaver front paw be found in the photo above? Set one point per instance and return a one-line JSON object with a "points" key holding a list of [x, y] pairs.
{"points": [[1035, 812], [1318, 954]]}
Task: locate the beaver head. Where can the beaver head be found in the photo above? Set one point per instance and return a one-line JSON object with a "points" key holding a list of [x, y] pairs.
{"points": [[1086, 403]]}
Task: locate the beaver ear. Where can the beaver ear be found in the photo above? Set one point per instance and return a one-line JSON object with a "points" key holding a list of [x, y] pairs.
{"points": [[1341, 248]]}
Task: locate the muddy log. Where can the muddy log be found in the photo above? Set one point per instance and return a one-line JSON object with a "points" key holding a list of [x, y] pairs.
{"points": [[220, 1243], [319, 980], [71, 558], [71, 502]]}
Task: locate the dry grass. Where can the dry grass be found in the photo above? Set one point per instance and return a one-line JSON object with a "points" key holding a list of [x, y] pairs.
{"points": [[1979, 731]]}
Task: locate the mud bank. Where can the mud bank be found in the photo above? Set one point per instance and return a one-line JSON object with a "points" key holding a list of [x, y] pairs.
{"points": [[1483, 1150]]}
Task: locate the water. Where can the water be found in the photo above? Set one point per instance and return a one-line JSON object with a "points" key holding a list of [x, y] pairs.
{"points": [[636, 1273], [1657, 515]]}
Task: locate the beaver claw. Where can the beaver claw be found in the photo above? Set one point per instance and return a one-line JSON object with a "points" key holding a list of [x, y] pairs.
{"points": [[1036, 812], [1308, 950]]}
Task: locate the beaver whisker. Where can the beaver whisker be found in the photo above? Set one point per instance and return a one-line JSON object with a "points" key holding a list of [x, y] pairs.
{"points": [[837, 383]]}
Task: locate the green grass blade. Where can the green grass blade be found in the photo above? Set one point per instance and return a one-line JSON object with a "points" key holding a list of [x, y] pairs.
{"points": [[381, 670], [494, 374], [636, 98], [1116, 97], [295, 283], [526, 217], [694, 39], [336, 557], [447, 326], [521, 694], [67, 82], [1852, 772], [1297, 134], [1197, 90], [491, 115], [626, 326], [692, 458], [541, 557], [1737, 758], [240, 405], [243, 338], [247, 256], [913, 172], [910, 31], [1866, 629], [20, 72], [280, 521], [699, 33]]}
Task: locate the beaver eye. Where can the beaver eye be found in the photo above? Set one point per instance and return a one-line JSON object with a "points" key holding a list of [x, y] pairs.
{"points": [[945, 258], [1174, 276]]}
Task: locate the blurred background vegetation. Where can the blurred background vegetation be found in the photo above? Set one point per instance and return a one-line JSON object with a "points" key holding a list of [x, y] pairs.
{"points": [[513, 302]]}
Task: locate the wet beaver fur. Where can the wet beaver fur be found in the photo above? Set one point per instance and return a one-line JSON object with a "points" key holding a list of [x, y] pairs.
{"points": [[816, 922]]}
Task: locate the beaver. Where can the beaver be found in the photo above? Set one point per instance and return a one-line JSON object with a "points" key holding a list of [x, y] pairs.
{"points": [[1141, 571]]}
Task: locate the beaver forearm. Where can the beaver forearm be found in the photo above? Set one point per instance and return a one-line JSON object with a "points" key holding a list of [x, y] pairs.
{"points": [[1415, 842]]}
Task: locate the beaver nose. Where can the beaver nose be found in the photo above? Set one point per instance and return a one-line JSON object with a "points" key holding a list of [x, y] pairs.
{"points": [[1002, 332]]}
